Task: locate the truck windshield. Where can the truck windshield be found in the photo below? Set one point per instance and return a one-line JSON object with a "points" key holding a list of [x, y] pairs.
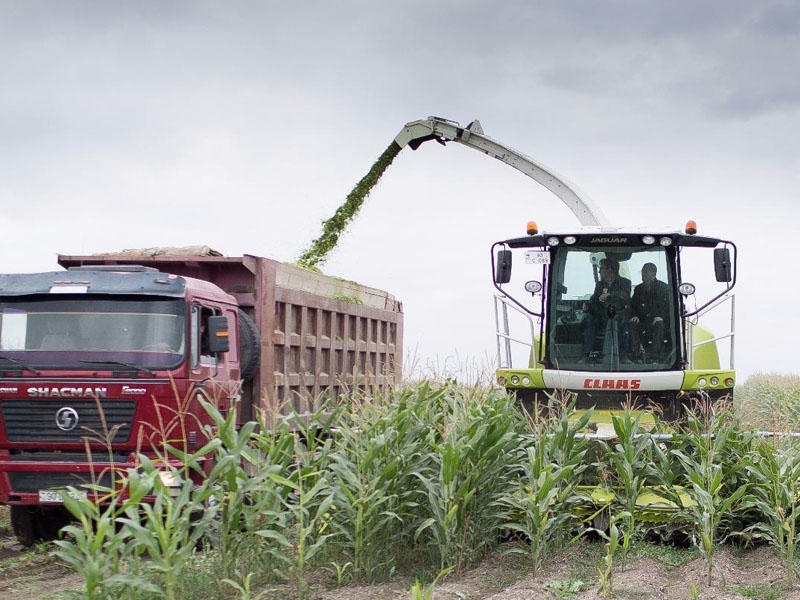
{"points": [[81, 333], [612, 309]]}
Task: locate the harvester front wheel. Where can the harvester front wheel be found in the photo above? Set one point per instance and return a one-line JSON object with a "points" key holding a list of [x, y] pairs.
{"points": [[602, 521]]}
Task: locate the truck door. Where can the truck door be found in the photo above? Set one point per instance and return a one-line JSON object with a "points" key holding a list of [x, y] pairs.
{"points": [[212, 372]]}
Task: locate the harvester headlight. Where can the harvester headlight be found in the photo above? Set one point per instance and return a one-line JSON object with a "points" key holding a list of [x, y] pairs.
{"points": [[526, 380], [648, 239], [501, 381], [686, 289], [665, 241], [553, 241], [514, 380], [702, 382], [570, 239], [534, 287], [715, 381], [729, 382]]}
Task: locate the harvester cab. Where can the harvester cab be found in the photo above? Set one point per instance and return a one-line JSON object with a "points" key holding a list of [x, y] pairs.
{"points": [[614, 316]]}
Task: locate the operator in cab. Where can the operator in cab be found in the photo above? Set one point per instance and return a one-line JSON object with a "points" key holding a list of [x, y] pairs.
{"points": [[608, 304]]}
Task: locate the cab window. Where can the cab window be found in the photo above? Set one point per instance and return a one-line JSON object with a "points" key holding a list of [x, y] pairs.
{"points": [[199, 337]]}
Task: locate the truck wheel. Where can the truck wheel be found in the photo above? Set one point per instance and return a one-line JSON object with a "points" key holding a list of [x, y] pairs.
{"points": [[22, 524], [51, 521], [249, 346], [32, 524]]}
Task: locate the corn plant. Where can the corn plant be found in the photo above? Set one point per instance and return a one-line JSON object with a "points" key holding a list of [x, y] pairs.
{"points": [[770, 401], [419, 591], [239, 490], [448, 501], [95, 548], [168, 530], [303, 527], [606, 569], [366, 469], [775, 495], [712, 463], [103, 549], [541, 509], [630, 457], [465, 471]]}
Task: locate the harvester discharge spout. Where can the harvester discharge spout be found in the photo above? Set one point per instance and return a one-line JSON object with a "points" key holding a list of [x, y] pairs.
{"points": [[472, 136]]}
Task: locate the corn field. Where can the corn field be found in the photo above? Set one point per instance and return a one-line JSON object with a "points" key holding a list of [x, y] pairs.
{"points": [[427, 482]]}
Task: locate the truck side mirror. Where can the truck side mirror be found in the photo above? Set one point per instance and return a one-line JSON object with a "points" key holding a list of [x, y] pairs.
{"points": [[502, 273], [722, 264], [218, 334]]}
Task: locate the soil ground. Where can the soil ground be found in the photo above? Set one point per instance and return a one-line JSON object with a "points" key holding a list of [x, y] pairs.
{"points": [[652, 572]]}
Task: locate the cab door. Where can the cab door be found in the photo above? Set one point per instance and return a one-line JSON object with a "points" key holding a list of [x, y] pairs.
{"points": [[215, 374]]}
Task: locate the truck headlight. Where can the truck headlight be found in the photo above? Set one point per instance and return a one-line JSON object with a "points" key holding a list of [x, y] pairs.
{"points": [[171, 481]]}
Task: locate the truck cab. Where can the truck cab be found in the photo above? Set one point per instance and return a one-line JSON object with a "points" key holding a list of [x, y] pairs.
{"points": [[98, 364], [611, 316]]}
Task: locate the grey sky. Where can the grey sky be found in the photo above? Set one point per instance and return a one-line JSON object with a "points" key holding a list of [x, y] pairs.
{"points": [[243, 125]]}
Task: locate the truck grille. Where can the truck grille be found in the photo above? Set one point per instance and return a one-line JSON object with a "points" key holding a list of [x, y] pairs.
{"points": [[29, 420]]}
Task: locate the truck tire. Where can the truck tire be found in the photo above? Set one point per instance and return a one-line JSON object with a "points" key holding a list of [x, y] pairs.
{"points": [[22, 524], [32, 524], [249, 346]]}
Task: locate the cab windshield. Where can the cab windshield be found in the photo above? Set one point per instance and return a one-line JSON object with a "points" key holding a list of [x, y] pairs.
{"points": [[81, 333], [611, 310]]}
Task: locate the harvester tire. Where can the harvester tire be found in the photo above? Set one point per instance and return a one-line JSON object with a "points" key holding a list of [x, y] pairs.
{"points": [[249, 346], [602, 521]]}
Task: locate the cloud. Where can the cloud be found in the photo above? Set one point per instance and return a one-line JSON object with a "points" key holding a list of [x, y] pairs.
{"points": [[782, 19]]}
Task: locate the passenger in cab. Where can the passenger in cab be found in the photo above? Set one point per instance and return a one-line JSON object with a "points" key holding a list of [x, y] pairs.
{"points": [[649, 316]]}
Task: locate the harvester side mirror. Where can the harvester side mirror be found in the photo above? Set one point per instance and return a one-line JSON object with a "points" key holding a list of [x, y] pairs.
{"points": [[722, 264], [218, 334], [502, 273]]}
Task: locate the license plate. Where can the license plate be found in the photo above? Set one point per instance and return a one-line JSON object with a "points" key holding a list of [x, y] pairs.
{"points": [[57, 496]]}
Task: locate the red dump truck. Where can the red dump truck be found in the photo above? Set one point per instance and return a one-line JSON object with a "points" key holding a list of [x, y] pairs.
{"points": [[109, 357]]}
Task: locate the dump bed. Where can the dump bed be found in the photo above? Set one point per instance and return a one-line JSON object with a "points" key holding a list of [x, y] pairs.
{"points": [[320, 336]]}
